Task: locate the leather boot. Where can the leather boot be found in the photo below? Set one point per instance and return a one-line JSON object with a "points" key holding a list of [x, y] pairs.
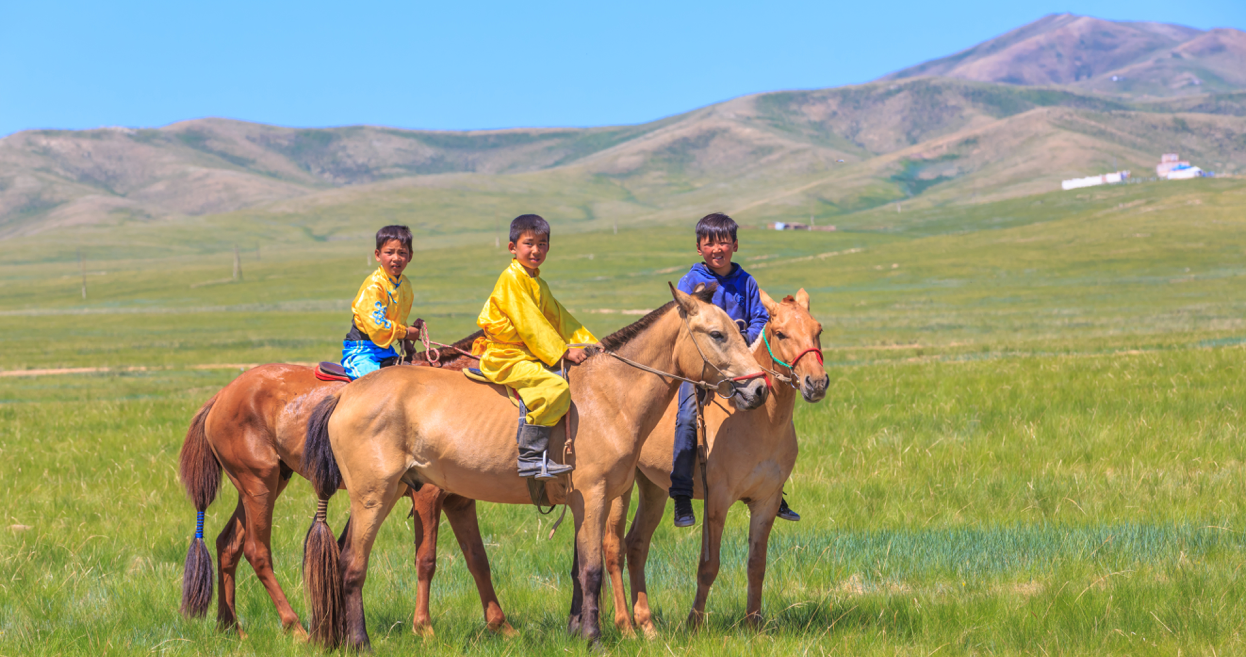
{"points": [[534, 453]]}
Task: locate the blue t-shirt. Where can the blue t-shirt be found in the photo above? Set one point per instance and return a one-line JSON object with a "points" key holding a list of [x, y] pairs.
{"points": [[737, 294]]}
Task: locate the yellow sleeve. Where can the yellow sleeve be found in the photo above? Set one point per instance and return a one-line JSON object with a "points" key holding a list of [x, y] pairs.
{"points": [[534, 329], [568, 327], [370, 316]]}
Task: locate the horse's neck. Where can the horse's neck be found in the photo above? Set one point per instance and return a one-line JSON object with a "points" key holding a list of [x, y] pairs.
{"points": [[627, 397], [782, 400]]}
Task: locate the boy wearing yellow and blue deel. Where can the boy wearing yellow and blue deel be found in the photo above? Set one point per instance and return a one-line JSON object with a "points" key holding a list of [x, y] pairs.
{"points": [[381, 307], [526, 330]]}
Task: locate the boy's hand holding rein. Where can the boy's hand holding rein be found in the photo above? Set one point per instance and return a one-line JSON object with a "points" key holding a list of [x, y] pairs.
{"points": [[577, 355], [414, 330]]}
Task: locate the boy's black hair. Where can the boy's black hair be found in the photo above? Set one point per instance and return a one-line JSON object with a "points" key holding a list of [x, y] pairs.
{"points": [[529, 223], [400, 233], [716, 227]]}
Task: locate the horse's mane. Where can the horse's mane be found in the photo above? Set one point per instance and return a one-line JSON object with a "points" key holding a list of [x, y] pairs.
{"points": [[616, 340]]}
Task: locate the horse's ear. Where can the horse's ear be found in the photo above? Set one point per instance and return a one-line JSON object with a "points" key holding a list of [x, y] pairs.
{"points": [[802, 297], [768, 303], [687, 302]]}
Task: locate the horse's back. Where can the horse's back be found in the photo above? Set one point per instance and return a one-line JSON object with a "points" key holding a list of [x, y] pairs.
{"points": [[260, 418]]}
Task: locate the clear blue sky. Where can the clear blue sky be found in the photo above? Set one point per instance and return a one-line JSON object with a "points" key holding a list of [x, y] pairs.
{"points": [[449, 65]]}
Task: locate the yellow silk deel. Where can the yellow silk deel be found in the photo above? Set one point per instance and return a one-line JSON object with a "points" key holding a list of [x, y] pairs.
{"points": [[524, 327], [381, 307]]}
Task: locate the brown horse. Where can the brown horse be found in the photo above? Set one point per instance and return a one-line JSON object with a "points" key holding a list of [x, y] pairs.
{"points": [[750, 457], [255, 428], [407, 426]]}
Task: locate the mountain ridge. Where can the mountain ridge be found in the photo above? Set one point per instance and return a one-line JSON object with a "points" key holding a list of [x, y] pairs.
{"points": [[866, 138]]}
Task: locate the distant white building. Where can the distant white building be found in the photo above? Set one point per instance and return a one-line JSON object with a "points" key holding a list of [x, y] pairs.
{"points": [[1168, 162], [1184, 173], [1105, 179]]}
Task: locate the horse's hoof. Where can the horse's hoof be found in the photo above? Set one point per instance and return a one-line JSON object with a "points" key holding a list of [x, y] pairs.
{"points": [[423, 630], [650, 631], [753, 622], [298, 632], [695, 620], [505, 630]]}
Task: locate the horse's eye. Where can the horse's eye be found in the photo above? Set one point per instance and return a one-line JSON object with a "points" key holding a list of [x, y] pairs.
{"points": [[780, 335], [716, 335]]}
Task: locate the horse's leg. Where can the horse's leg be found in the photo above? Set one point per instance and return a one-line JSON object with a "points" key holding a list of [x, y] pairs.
{"points": [[761, 520], [716, 506], [577, 592], [461, 512], [368, 509], [426, 509], [259, 500], [650, 507], [591, 526], [612, 543], [228, 552]]}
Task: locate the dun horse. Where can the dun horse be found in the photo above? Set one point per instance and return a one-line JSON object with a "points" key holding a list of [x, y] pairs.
{"points": [[406, 426], [750, 457], [255, 429]]}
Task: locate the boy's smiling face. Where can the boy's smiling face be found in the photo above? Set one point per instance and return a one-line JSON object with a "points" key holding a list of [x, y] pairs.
{"points": [[717, 255], [530, 250], [394, 258]]}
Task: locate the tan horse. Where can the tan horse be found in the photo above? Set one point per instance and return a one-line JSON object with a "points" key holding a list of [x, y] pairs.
{"points": [[408, 426], [254, 429], [750, 457]]}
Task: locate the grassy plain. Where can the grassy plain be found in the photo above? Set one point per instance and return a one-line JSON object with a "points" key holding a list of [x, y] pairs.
{"points": [[1032, 444]]}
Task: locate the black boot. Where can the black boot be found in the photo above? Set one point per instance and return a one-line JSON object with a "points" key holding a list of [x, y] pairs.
{"points": [[534, 453], [684, 517], [786, 513]]}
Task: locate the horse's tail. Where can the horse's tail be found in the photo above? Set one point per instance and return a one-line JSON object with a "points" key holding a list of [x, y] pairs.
{"points": [[322, 573], [201, 475]]}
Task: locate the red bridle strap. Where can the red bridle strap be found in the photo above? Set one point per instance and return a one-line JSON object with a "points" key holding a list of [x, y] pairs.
{"points": [[811, 350]]}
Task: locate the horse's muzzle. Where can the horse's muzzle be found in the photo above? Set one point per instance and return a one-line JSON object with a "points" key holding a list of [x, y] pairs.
{"points": [[750, 394], [813, 390]]}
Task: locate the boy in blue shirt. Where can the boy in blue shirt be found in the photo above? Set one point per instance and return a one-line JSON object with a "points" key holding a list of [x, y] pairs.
{"points": [[737, 294]]}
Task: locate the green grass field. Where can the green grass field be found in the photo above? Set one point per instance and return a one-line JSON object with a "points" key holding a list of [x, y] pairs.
{"points": [[1033, 441]]}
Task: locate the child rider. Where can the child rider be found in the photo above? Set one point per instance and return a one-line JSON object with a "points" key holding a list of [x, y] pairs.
{"points": [[526, 330], [381, 307], [737, 294]]}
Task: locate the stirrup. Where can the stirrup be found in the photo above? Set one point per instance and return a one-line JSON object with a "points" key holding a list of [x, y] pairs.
{"points": [[551, 470]]}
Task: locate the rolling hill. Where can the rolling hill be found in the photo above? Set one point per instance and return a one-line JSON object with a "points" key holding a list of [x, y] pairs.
{"points": [[1009, 117], [1114, 57]]}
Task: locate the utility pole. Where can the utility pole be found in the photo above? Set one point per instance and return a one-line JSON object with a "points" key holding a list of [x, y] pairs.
{"points": [[616, 224], [237, 265], [811, 224], [82, 267], [497, 233]]}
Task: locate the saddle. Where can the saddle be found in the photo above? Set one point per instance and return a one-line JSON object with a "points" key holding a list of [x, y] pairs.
{"points": [[536, 487], [327, 371]]}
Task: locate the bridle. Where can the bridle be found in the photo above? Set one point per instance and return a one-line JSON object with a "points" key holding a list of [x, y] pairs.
{"points": [[792, 367]]}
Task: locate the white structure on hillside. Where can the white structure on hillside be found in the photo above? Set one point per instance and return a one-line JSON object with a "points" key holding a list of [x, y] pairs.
{"points": [[1105, 179], [1168, 162], [1185, 173]]}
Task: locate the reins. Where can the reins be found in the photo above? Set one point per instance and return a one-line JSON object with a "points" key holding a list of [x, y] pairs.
{"points": [[432, 355]]}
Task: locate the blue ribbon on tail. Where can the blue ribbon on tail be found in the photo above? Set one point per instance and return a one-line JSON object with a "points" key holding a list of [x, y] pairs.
{"points": [[199, 525]]}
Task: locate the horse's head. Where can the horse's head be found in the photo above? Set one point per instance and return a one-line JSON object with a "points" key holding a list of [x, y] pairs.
{"points": [[716, 352], [795, 339]]}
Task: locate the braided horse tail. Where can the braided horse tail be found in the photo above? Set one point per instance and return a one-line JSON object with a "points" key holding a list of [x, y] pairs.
{"points": [[201, 476], [322, 574]]}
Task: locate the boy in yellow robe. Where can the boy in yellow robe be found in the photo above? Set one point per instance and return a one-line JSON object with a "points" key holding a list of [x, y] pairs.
{"points": [[525, 330], [381, 307]]}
